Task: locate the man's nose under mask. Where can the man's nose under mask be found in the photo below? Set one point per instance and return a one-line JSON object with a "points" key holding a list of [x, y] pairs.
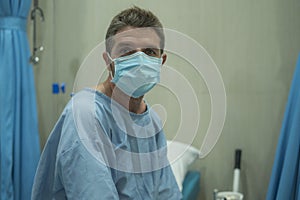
{"points": [[136, 74]]}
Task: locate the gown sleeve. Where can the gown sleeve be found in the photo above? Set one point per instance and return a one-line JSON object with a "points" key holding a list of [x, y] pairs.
{"points": [[82, 175]]}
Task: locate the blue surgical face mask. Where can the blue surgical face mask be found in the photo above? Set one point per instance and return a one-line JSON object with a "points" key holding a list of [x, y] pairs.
{"points": [[136, 74]]}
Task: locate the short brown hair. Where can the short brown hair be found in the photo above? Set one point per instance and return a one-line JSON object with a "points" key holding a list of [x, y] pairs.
{"points": [[135, 17]]}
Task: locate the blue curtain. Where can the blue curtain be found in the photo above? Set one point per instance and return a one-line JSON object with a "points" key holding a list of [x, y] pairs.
{"points": [[285, 179], [19, 141]]}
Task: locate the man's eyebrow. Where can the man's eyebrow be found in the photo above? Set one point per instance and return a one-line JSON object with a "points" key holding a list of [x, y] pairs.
{"points": [[133, 45], [151, 47]]}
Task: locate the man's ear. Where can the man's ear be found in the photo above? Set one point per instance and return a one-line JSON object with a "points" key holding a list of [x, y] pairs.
{"points": [[106, 59], [164, 58], [109, 63]]}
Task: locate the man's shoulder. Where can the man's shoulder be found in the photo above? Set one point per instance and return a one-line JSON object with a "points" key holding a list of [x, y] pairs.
{"points": [[87, 101]]}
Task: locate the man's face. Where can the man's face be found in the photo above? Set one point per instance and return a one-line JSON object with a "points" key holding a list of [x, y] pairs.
{"points": [[130, 40]]}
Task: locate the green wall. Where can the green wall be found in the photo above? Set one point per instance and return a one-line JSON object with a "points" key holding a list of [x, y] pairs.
{"points": [[255, 44]]}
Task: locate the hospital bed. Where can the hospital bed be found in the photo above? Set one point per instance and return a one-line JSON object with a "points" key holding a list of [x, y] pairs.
{"points": [[181, 156]]}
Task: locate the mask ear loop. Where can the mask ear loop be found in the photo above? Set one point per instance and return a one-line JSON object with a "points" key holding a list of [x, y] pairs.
{"points": [[111, 75], [110, 71]]}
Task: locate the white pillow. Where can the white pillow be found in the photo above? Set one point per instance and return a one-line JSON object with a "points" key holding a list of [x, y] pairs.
{"points": [[181, 156]]}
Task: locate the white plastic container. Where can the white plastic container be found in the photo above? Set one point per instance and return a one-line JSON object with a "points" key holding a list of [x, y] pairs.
{"points": [[229, 196]]}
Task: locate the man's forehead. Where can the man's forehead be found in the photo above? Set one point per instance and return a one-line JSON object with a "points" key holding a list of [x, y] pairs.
{"points": [[145, 32], [144, 36]]}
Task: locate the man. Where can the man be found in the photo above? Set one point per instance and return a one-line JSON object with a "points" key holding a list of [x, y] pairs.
{"points": [[108, 143]]}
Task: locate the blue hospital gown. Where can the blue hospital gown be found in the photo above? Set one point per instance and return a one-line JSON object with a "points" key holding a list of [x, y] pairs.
{"points": [[93, 153]]}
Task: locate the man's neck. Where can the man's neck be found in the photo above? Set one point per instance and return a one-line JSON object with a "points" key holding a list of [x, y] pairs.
{"points": [[135, 105]]}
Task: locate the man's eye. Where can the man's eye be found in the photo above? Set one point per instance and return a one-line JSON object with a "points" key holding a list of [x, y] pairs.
{"points": [[150, 52]]}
